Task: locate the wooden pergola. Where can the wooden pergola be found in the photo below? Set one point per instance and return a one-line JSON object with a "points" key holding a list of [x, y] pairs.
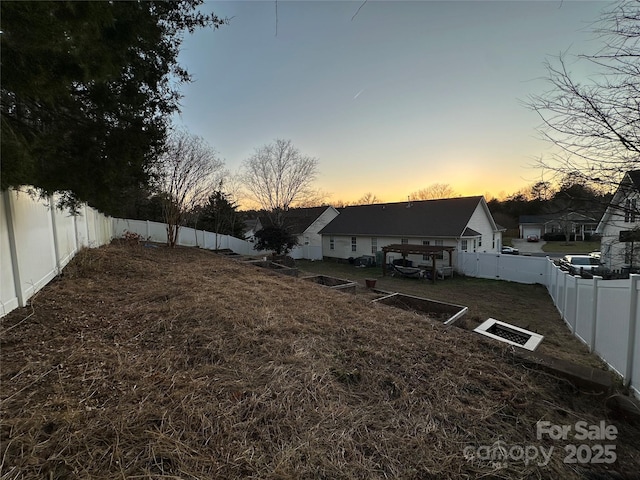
{"points": [[406, 249]]}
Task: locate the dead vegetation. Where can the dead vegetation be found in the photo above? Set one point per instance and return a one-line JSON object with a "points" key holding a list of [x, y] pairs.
{"points": [[155, 363]]}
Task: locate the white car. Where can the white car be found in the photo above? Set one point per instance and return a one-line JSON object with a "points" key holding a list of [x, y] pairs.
{"points": [[575, 264], [510, 251]]}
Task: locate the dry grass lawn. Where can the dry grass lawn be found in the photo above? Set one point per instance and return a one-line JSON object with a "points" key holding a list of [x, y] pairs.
{"points": [[151, 363]]}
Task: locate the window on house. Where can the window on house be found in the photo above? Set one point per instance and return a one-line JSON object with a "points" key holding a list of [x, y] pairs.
{"points": [[633, 210], [404, 241], [332, 243], [374, 245], [463, 245], [479, 241], [354, 245], [630, 210], [427, 243], [439, 255], [493, 241], [474, 244]]}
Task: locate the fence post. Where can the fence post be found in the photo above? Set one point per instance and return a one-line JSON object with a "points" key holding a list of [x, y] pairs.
{"points": [[594, 314], [633, 322], [564, 296], [10, 215], [54, 227]]}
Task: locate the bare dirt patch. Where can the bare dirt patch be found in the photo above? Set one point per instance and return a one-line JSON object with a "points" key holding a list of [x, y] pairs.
{"points": [[155, 363]]}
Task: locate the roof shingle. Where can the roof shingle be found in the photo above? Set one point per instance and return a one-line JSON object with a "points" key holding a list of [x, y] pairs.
{"points": [[428, 218]]}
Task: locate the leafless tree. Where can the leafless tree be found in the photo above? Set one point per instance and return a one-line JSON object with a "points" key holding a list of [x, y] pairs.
{"points": [[278, 177], [433, 192], [187, 172], [595, 122], [368, 199]]}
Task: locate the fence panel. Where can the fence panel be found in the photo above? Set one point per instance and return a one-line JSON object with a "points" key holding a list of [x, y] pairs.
{"points": [[585, 313], [613, 323], [82, 232], [513, 268], [571, 297], [65, 234]]}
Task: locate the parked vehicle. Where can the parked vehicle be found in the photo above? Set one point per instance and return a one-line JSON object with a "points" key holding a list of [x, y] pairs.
{"points": [[595, 255], [510, 251], [533, 238], [575, 264]]}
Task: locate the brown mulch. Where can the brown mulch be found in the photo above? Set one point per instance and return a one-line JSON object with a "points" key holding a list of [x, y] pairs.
{"points": [[155, 363]]}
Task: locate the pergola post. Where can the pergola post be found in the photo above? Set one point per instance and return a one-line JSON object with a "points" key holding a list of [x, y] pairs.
{"points": [[434, 272], [384, 262]]}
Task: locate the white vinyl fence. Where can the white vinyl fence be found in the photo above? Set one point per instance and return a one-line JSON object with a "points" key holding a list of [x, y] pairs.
{"points": [[309, 252], [38, 240], [187, 237], [604, 314]]}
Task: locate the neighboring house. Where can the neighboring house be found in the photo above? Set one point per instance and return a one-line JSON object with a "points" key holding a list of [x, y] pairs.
{"points": [[579, 226], [305, 223], [620, 226], [464, 223], [251, 226]]}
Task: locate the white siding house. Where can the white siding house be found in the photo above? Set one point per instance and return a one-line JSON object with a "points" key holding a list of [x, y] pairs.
{"points": [[622, 215], [309, 240], [464, 223]]}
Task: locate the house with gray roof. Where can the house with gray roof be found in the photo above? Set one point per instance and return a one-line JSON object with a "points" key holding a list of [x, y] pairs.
{"points": [[577, 225], [620, 226], [464, 223], [305, 224]]}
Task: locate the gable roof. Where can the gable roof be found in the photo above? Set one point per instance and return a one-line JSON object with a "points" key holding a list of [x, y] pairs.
{"points": [[629, 183], [297, 220], [634, 176], [428, 218], [553, 217]]}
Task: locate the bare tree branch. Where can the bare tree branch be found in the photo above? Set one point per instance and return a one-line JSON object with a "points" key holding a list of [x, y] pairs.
{"points": [[187, 173], [595, 124], [433, 192], [278, 177]]}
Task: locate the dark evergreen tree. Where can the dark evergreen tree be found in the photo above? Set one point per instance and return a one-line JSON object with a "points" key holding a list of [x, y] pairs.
{"points": [[218, 215], [87, 90], [275, 238]]}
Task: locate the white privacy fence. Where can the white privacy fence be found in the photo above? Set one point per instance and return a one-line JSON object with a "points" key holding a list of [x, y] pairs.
{"points": [[187, 237], [513, 268], [37, 241], [309, 252], [604, 314]]}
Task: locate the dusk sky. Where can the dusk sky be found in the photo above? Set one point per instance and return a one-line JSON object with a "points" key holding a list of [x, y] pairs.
{"points": [[404, 95]]}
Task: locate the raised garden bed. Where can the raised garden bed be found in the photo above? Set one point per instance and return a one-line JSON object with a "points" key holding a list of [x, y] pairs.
{"points": [[447, 313], [346, 286], [276, 267]]}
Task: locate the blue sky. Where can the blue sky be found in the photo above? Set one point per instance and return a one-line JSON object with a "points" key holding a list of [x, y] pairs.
{"points": [[404, 95]]}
